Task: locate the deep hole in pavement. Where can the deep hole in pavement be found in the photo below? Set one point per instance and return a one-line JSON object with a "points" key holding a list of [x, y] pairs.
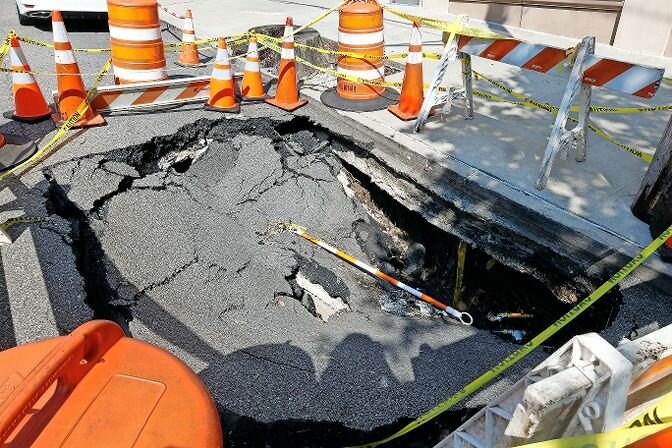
{"points": [[398, 240]]}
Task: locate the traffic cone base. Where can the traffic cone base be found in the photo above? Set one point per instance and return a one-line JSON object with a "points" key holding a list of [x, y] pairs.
{"points": [[405, 116], [95, 120], [289, 107], [231, 110], [189, 65], [29, 120]]}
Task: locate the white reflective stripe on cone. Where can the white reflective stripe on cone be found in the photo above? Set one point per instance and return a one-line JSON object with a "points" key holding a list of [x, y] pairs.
{"points": [[222, 74], [414, 58], [416, 37], [140, 75], [188, 38], [64, 57], [371, 75], [60, 34], [135, 34], [22, 78], [16, 57], [222, 56], [289, 36], [251, 66], [188, 24], [287, 53], [360, 38]]}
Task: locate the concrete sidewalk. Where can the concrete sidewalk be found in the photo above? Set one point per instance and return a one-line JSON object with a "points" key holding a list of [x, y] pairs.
{"points": [[503, 146]]}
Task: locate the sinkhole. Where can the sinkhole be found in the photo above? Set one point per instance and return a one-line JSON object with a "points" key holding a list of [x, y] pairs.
{"points": [[179, 238]]}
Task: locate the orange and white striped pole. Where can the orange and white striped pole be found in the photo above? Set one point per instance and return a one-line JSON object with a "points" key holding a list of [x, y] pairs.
{"points": [[30, 105], [222, 87], [135, 37], [253, 84], [412, 94], [71, 92], [287, 93], [464, 318], [189, 50]]}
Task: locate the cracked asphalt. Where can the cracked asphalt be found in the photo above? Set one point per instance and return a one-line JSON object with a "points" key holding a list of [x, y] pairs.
{"points": [[175, 234]]}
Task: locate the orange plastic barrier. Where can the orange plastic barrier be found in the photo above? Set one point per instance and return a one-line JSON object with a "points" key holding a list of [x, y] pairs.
{"points": [[655, 382], [135, 37], [662, 439], [98, 388]]}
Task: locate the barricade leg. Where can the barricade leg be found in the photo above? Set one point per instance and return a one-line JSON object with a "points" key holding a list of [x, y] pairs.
{"points": [[468, 80], [450, 54], [582, 127], [562, 139]]}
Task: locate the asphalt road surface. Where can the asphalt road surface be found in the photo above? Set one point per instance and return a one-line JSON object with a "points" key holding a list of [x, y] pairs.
{"points": [[174, 235]]}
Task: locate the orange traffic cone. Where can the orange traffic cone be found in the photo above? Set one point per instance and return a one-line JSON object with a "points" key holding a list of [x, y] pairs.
{"points": [[71, 92], [189, 50], [253, 86], [30, 105], [412, 88], [287, 95], [222, 91]]}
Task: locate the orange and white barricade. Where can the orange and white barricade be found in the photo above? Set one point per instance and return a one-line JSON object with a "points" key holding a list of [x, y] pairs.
{"points": [[583, 68]]}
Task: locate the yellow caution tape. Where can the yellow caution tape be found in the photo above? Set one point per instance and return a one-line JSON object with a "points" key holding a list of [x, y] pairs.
{"points": [[74, 118], [613, 439], [21, 220], [526, 349], [658, 413], [4, 48], [529, 102], [459, 276], [598, 109], [450, 27]]}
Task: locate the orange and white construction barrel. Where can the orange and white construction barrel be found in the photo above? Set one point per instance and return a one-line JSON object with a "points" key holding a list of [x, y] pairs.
{"points": [[135, 37], [360, 30]]}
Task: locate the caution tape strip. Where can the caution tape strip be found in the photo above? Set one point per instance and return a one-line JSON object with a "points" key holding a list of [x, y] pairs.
{"points": [[74, 118], [526, 349], [21, 220], [654, 419], [4, 48], [459, 275], [529, 102], [614, 439]]}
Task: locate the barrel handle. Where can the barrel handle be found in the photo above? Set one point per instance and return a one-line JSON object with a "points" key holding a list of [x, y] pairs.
{"points": [[69, 362]]}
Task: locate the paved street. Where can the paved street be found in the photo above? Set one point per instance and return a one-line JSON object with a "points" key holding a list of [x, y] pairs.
{"points": [[166, 219]]}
